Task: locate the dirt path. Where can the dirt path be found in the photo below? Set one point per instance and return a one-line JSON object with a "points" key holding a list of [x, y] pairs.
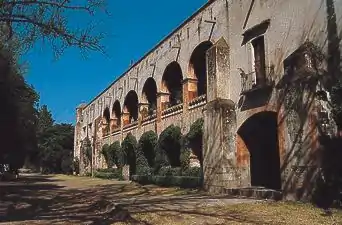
{"points": [[39, 199]]}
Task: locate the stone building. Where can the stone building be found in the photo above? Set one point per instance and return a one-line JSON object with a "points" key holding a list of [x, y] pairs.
{"points": [[252, 70]]}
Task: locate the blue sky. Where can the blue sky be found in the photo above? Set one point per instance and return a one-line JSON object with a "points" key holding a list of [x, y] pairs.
{"points": [[134, 28]]}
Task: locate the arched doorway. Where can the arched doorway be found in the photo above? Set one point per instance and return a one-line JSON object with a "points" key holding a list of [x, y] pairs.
{"points": [[172, 83], [131, 107], [117, 114], [149, 95], [198, 67], [260, 135]]}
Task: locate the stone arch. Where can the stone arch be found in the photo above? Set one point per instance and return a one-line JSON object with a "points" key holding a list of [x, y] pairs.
{"points": [[149, 96], [198, 68], [258, 149], [105, 121], [172, 83], [116, 114], [130, 109]]}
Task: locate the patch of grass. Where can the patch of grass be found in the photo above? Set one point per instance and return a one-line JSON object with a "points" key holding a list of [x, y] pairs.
{"points": [[274, 213]]}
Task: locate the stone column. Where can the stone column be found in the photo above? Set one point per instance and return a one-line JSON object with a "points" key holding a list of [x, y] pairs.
{"points": [[162, 101], [113, 125], [219, 151], [125, 118], [143, 112], [189, 90]]}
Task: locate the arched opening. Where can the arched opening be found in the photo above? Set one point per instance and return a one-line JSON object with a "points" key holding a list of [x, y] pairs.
{"points": [[131, 107], [149, 95], [260, 136], [117, 114], [198, 67], [172, 83], [105, 121]]}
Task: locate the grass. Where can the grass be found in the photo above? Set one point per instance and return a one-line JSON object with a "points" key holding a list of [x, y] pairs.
{"points": [[252, 213]]}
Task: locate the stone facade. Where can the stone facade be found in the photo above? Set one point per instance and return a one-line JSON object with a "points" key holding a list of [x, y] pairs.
{"points": [[262, 68]]}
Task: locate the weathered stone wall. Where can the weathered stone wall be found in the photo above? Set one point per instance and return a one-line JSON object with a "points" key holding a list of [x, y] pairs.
{"points": [[231, 26]]}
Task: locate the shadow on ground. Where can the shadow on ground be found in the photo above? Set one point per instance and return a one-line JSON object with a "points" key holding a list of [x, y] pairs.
{"points": [[43, 198]]}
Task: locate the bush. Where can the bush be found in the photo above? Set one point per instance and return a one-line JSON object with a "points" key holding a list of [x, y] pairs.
{"points": [[67, 165], [168, 171], [76, 165], [161, 159], [170, 142], [129, 148], [193, 172], [142, 166], [185, 158], [105, 153], [169, 181], [147, 144], [193, 139], [109, 174], [116, 155]]}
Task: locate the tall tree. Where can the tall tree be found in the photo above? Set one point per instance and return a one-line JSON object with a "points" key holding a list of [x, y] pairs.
{"points": [[27, 21]]}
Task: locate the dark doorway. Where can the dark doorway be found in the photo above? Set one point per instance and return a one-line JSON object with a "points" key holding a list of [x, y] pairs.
{"points": [[150, 94], [131, 105], [117, 112], [260, 134]]}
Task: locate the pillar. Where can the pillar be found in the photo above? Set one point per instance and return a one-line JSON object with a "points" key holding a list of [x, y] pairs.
{"points": [[143, 112], [125, 118], [163, 99], [219, 151]]}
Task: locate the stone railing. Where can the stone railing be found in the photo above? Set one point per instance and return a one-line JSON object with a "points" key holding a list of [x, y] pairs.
{"points": [[130, 126], [198, 102], [173, 110], [149, 119], [106, 131]]}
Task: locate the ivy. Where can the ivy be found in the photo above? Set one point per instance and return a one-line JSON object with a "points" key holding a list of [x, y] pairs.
{"points": [[193, 140], [147, 144], [129, 148], [116, 155], [86, 150], [169, 143]]}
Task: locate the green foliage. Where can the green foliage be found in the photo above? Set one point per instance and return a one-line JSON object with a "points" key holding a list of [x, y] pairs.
{"points": [[169, 142], [185, 158], [193, 172], [161, 159], [142, 165], [116, 155], [86, 150], [109, 174], [169, 171], [105, 153], [56, 149], [31, 21], [76, 165], [169, 181], [193, 140], [147, 144], [18, 114], [129, 148]]}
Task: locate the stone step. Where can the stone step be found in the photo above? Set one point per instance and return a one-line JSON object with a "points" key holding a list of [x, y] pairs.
{"points": [[255, 193]]}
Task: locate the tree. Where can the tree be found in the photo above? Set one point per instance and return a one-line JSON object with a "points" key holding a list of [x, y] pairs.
{"points": [[170, 142], [147, 144], [129, 148], [49, 20], [56, 150], [45, 119], [18, 114]]}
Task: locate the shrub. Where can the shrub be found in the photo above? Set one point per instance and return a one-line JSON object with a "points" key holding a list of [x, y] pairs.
{"points": [[161, 159], [86, 150], [105, 153], [115, 154], [147, 144], [142, 166], [109, 174], [67, 165], [193, 139], [169, 181], [193, 172], [76, 165], [168, 171], [170, 142], [129, 148], [185, 158]]}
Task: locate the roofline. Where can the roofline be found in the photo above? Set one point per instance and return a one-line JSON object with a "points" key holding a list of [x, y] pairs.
{"points": [[154, 48]]}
